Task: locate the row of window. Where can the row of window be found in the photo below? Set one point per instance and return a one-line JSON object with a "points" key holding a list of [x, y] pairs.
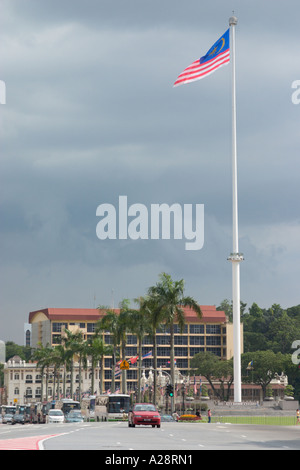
{"points": [[57, 327], [37, 393]]}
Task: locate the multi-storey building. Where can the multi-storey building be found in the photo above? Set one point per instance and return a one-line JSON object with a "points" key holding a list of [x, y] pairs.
{"points": [[211, 333]]}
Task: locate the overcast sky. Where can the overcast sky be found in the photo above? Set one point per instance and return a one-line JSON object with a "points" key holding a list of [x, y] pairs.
{"points": [[91, 114]]}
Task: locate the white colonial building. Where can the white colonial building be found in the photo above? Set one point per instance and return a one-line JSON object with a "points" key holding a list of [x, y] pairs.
{"points": [[23, 382]]}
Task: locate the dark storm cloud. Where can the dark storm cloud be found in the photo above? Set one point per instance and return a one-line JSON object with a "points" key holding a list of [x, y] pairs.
{"points": [[91, 114]]}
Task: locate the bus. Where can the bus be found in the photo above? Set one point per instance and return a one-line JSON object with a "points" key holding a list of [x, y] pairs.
{"points": [[38, 412], [23, 409], [68, 405], [9, 409], [113, 406]]}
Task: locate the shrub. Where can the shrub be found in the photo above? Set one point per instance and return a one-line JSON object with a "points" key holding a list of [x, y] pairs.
{"points": [[189, 418]]}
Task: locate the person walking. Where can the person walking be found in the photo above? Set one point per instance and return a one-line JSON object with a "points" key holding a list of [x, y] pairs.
{"points": [[209, 416], [298, 416]]}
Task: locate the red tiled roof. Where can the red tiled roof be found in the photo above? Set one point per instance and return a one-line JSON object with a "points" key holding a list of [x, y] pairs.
{"points": [[209, 314]]}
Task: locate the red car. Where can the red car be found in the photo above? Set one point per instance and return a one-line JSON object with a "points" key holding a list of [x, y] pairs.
{"points": [[144, 413]]}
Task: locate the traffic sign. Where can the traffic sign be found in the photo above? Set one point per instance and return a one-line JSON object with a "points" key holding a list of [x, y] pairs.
{"points": [[124, 365]]}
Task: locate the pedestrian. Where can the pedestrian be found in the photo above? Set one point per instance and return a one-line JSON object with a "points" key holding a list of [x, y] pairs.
{"points": [[298, 416], [209, 416], [198, 414]]}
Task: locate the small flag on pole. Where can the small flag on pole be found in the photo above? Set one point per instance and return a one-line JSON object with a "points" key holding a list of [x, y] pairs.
{"points": [[149, 354], [195, 386], [133, 360], [217, 56]]}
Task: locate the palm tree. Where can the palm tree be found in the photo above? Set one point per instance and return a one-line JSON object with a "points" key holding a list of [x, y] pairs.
{"points": [[139, 324], [72, 343], [110, 322], [43, 357], [152, 309], [82, 351], [123, 328], [118, 325], [169, 298], [97, 350]]}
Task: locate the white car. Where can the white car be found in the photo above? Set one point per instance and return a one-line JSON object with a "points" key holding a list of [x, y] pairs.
{"points": [[56, 416]]}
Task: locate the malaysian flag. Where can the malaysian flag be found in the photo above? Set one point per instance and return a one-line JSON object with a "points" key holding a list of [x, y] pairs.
{"points": [[217, 56]]}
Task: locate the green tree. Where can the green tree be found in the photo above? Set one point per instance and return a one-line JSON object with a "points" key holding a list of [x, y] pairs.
{"points": [[265, 366], [282, 332], [214, 370]]}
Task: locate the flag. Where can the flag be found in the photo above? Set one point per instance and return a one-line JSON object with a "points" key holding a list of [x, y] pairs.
{"points": [[133, 360], [169, 362], [195, 386], [217, 56], [250, 365], [149, 354]]}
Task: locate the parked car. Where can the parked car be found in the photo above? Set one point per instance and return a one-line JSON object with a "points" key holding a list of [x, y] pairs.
{"points": [[18, 418], [56, 416], [145, 414], [7, 418], [74, 416], [167, 418]]}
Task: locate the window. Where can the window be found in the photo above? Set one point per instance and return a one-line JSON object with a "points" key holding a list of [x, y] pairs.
{"points": [[147, 339], [163, 352], [197, 329], [197, 340], [182, 363], [213, 340], [28, 379], [216, 351], [57, 327], [180, 340], [181, 351], [28, 392], [163, 339], [131, 339], [177, 329], [213, 329], [131, 351], [194, 351], [56, 339], [91, 327], [108, 339]]}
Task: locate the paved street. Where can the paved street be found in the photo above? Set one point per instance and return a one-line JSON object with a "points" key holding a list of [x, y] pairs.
{"points": [[176, 437]]}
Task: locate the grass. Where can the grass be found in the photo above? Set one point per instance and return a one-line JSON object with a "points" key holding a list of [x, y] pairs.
{"points": [[265, 420]]}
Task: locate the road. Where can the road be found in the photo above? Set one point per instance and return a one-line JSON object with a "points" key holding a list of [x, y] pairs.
{"points": [[175, 437]]}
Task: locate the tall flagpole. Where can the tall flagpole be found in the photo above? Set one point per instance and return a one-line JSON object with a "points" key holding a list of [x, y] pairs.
{"points": [[235, 257]]}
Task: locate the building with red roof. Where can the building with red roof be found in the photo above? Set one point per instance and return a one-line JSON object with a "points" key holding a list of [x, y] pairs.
{"points": [[212, 332]]}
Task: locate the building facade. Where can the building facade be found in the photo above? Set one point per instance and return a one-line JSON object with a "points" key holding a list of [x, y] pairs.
{"points": [[211, 333]]}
